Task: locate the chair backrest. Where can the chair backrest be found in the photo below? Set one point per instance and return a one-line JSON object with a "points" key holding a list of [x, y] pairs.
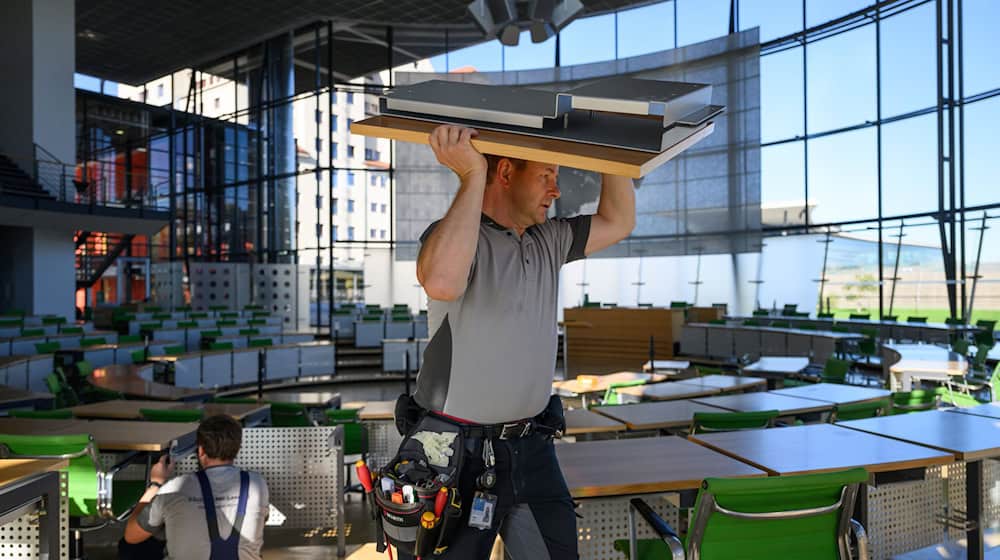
{"points": [[867, 346], [259, 342], [717, 322], [835, 370], [781, 324], [249, 332], [71, 330], [354, 435], [64, 395], [802, 516], [151, 326], [32, 332], [210, 333], [220, 346], [678, 305], [857, 411], [229, 315], [256, 322], [152, 308], [54, 414], [161, 316], [979, 360], [824, 315], [83, 474], [860, 315], [84, 368], [226, 323], [749, 323], [904, 402], [138, 356], [839, 328], [761, 313], [892, 318], [611, 395], [172, 415], [46, 347], [703, 422], [956, 398], [985, 338], [289, 415], [175, 350], [960, 346], [916, 319], [84, 342], [53, 320], [187, 324], [257, 314], [198, 315]]}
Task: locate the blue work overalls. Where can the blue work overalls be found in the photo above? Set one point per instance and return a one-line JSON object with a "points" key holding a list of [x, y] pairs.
{"points": [[228, 548]]}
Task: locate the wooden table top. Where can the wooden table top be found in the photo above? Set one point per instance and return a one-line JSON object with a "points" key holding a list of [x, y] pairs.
{"points": [[778, 364], [967, 436], [130, 410], [583, 421], [600, 383], [661, 415], [374, 410], [834, 393], [12, 470], [751, 402], [124, 379], [669, 391], [726, 383], [11, 394], [643, 465], [926, 358], [110, 435], [818, 448], [305, 398], [989, 410]]}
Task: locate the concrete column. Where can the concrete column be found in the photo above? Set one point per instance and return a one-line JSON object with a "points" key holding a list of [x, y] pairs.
{"points": [[37, 102], [41, 279]]}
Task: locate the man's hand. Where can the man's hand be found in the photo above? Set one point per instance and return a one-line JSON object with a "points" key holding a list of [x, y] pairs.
{"points": [[162, 470], [453, 147]]}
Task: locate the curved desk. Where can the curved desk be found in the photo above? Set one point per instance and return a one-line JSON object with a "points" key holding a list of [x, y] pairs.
{"points": [[726, 341], [26, 372], [132, 381], [902, 363]]}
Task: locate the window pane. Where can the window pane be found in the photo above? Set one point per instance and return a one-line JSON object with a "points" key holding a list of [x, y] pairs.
{"points": [[484, 57], [527, 55], [701, 20], [822, 11], [986, 305], [776, 18], [851, 271], [841, 80], [909, 71], [781, 114], [921, 289], [980, 45], [646, 29], [590, 39], [782, 180], [909, 166], [982, 145], [842, 177]]}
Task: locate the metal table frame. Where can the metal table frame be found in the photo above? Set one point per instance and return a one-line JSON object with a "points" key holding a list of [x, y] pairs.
{"points": [[35, 493]]}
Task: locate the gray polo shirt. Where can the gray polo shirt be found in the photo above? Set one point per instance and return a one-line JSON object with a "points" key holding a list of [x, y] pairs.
{"points": [[179, 508], [492, 351]]}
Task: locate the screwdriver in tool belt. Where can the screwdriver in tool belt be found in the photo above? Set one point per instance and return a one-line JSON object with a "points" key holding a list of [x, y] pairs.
{"points": [[364, 475]]}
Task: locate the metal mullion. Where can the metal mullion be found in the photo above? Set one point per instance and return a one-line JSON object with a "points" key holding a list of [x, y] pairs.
{"points": [[878, 156], [330, 174], [805, 118]]}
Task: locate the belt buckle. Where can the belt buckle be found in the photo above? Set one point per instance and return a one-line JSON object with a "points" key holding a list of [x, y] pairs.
{"points": [[508, 430]]}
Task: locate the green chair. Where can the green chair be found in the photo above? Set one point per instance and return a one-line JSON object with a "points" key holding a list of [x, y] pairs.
{"points": [[229, 315], [891, 318], [717, 322], [704, 422], [64, 395], [795, 516], [162, 316], [904, 402], [53, 320], [839, 328], [679, 305], [152, 309], [707, 370], [213, 333], [986, 324], [129, 338], [835, 371], [858, 411], [781, 324], [138, 356], [806, 327], [54, 414], [187, 324], [229, 323], [258, 314], [151, 326], [234, 400], [249, 332], [953, 321], [97, 340], [172, 415], [183, 308], [958, 399], [290, 415], [218, 308], [975, 383], [220, 346], [611, 394], [175, 350], [355, 440], [960, 346], [985, 338], [32, 332], [256, 322], [749, 323], [47, 347], [916, 319], [71, 330], [824, 315], [260, 342], [867, 348], [9, 323], [198, 315], [761, 313], [860, 316], [591, 304]]}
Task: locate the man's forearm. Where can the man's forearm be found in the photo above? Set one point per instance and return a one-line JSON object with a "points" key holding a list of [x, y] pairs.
{"points": [[446, 255], [134, 533]]}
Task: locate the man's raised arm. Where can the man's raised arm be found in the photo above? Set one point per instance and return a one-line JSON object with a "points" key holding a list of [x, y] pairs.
{"points": [[615, 217]]}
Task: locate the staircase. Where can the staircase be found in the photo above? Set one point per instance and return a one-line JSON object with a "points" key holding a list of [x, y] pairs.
{"points": [[95, 253], [14, 181]]}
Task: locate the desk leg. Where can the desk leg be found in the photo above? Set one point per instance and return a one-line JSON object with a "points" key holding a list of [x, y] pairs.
{"points": [[974, 508], [48, 524]]}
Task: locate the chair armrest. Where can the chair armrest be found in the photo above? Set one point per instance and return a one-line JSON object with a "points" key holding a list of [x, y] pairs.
{"points": [[662, 529], [862, 538]]}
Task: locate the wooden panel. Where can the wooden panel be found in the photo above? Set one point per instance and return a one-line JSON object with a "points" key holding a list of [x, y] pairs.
{"points": [[12, 470], [703, 314], [603, 159], [820, 448], [608, 340], [639, 466]]}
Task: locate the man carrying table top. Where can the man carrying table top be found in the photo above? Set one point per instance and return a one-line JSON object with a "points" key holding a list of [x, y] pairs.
{"points": [[490, 269]]}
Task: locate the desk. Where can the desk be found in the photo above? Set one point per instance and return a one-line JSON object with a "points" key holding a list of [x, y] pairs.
{"points": [[659, 365], [753, 402], [777, 368], [968, 437], [30, 485], [834, 393], [726, 341], [655, 415], [639, 466], [18, 398], [249, 414], [727, 383], [600, 383], [127, 380], [906, 362], [309, 399], [581, 421], [669, 391], [111, 435], [374, 410], [989, 410]]}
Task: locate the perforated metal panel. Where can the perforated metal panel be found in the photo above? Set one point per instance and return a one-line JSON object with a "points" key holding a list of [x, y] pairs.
{"points": [[303, 468], [276, 289], [19, 539], [166, 288], [604, 520], [215, 284], [383, 441]]}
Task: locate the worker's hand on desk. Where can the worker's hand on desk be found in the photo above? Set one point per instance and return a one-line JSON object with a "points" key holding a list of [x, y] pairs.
{"points": [[162, 470], [453, 147]]}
